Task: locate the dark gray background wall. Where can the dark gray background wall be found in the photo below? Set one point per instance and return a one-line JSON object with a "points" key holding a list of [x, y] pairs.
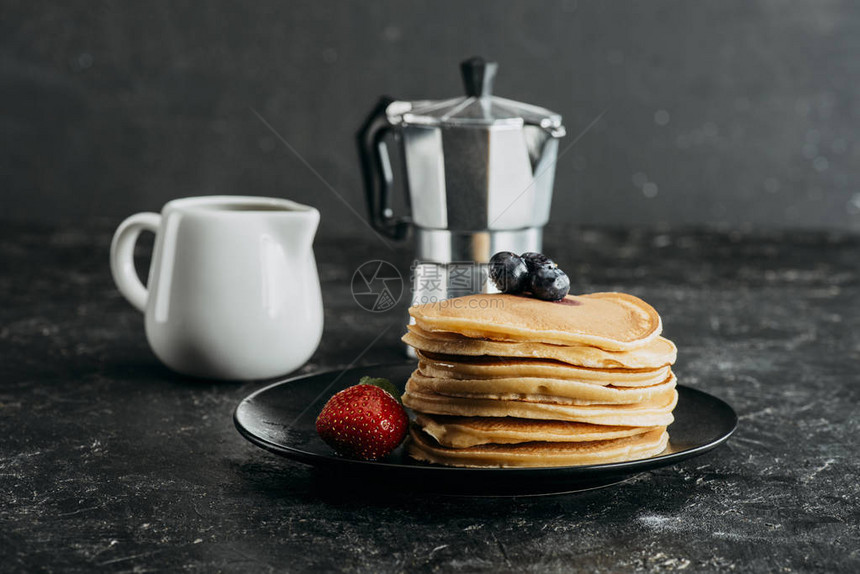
{"points": [[740, 113]]}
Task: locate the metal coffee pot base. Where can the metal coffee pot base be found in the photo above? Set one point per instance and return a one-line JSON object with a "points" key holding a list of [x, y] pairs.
{"points": [[446, 246]]}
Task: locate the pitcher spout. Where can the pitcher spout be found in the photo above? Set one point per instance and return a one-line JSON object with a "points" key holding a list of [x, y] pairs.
{"points": [[298, 227]]}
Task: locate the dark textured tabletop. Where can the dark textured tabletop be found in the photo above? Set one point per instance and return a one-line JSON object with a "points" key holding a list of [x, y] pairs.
{"points": [[110, 462]]}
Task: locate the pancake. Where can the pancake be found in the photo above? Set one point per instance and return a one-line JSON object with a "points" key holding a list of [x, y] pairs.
{"points": [[462, 432], [654, 412], [454, 367], [538, 454], [658, 353], [556, 391], [609, 321]]}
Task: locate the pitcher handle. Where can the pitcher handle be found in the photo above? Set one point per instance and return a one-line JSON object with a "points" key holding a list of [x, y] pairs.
{"points": [[376, 169], [122, 257]]}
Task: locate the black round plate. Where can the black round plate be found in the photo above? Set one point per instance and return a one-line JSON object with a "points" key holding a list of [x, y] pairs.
{"points": [[280, 418]]}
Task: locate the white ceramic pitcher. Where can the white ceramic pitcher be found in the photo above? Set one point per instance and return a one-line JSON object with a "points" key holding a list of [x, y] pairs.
{"points": [[233, 291]]}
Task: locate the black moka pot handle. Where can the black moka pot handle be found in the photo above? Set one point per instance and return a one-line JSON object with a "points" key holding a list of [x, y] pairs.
{"points": [[376, 170]]}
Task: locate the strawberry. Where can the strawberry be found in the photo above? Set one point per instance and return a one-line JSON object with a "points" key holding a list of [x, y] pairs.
{"points": [[363, 422]]}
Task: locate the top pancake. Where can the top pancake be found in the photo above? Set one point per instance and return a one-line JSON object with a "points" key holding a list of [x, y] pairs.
{"points": [[610, 321]]}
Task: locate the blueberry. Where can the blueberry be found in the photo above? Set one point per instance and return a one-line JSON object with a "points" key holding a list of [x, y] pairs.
{"points": [[509, 272], [549, 284], [535, 261]]}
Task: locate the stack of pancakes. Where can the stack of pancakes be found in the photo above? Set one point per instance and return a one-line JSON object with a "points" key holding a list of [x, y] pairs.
{"points": [[506, 380]]}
